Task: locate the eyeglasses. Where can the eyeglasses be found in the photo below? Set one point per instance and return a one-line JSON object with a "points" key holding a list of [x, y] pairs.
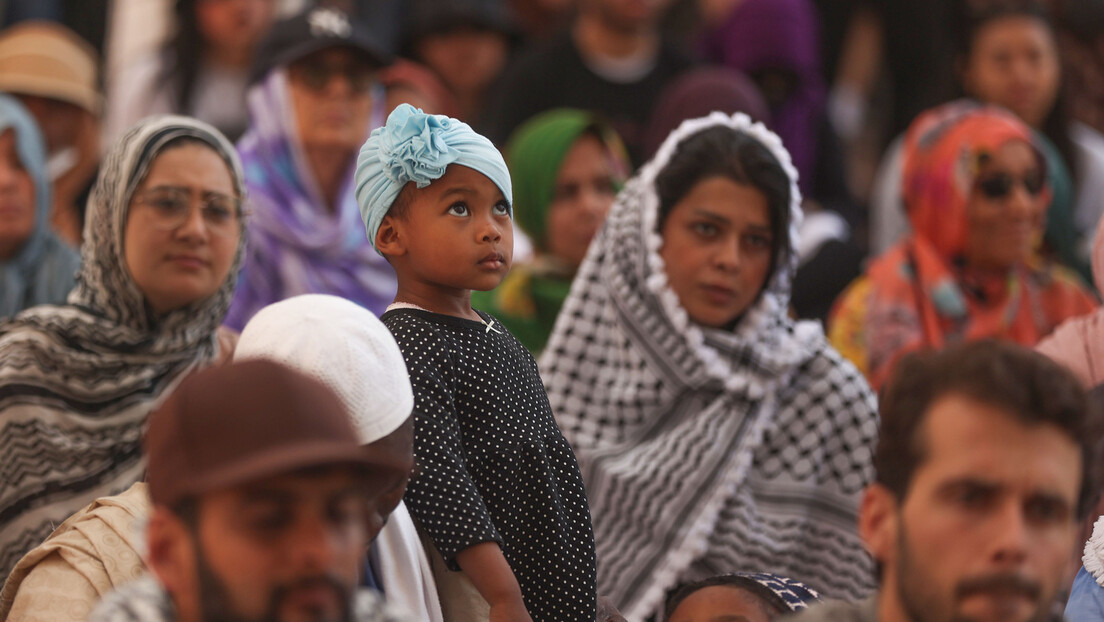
{"points": [[315, 74], [170, 206], [1000, 185]]}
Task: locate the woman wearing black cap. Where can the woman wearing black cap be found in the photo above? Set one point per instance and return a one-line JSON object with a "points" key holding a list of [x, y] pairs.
{"points": [[313, 101]]}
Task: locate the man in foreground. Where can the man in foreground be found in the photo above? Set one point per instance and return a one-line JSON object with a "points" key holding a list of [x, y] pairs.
{"points": [[263, 503], [982, 473]]}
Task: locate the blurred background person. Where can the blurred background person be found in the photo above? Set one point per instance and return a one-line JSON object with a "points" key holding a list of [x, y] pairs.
{"points": [[311, 107], [567, 166], [36, 267], [201, 70], [1009, 56], [976, 189], [467, 43], [408, 82], [54, 73], [611, 60]]}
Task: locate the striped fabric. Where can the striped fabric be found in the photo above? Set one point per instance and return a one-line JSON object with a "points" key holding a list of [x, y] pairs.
{"points": [[77, 381], [706, 451]]}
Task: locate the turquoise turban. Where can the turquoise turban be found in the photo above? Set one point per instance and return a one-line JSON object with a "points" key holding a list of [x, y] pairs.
{"points": [[418, 147]]}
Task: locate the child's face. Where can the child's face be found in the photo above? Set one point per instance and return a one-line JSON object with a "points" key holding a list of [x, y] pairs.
{"points": [[459, 234]]}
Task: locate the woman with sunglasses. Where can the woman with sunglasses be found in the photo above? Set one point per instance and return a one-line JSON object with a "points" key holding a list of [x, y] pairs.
{"points": [[162, 246], [976, 192], [314, 101]]}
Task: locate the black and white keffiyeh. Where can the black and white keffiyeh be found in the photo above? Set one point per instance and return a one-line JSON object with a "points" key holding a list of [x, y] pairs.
{"points": [[77, 381], [706, 451]]}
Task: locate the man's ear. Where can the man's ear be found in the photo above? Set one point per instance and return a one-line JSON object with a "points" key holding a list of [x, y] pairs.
{"points": [[879, 521], [390, 239], [170, 552]]}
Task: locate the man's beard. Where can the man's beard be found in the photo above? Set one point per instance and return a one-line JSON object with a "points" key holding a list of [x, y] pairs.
{"points": [[216, 605], [921, 604]]}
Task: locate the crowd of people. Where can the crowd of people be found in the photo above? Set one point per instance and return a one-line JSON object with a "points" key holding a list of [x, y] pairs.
{"points": [[552, 311]]}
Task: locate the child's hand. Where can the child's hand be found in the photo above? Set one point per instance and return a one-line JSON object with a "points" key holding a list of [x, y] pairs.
{"points": [[509, 611]]}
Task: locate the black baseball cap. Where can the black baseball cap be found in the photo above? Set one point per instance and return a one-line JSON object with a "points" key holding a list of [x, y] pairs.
{"points": [[312, 30]]}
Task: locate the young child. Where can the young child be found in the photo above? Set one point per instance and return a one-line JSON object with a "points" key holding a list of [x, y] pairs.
{"points": [[496, 488]]}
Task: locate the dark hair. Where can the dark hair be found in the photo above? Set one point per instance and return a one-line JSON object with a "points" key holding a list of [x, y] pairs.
{"points": [[772, 603], [1017, 380], [721, 151], [971, 20], [184, 54]]}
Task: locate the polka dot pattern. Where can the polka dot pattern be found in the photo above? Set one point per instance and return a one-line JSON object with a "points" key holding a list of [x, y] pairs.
{"points": [[491, 463]]}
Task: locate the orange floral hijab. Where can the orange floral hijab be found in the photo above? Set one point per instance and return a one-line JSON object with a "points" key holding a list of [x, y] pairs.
{"points": [[918, 294], [943, 150]]}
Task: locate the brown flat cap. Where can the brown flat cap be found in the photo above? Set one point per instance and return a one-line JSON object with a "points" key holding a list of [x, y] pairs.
{"points": [[242, 422]]}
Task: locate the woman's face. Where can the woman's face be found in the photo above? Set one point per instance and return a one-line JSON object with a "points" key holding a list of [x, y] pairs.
{"points": [[581, 199], [330, 93], [717, 246], [177, 265], [1006, 208], [17, 199], [233, 24], [1014, 63]]}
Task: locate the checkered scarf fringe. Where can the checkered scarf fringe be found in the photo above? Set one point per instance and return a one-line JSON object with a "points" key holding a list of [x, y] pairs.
{"points": [[674, 424]]}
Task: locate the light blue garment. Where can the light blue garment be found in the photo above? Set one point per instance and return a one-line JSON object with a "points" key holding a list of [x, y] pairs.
{"points": [[45, 268], [1086, 600], [418, 147]]}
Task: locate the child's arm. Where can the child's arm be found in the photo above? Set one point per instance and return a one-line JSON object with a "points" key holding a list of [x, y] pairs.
{"points": [[442, 495], [488, 571]]}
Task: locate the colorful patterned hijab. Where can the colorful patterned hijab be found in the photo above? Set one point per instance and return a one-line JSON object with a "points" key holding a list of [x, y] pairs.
{"points": [[79, 380], [296, 244], [919, 293], [727, 426], [45, 268]]}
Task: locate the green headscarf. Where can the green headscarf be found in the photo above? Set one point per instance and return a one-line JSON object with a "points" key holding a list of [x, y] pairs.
{"points": [[535, 152]]}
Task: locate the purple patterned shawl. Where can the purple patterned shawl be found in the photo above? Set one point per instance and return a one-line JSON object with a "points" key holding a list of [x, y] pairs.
{"points": [[296, 246]]}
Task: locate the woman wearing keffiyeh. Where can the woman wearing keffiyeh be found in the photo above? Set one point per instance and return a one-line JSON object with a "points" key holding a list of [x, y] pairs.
{"points": [[712, 431], [976, 195]]}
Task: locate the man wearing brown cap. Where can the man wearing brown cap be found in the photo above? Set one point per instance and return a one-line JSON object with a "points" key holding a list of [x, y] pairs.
{"points": [[263, 503]]}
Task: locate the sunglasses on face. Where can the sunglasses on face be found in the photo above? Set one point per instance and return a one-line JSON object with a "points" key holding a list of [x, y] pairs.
{"points": [[315, 74], [1000, 185]]}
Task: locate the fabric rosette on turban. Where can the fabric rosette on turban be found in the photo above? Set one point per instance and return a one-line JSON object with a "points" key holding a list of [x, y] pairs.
{"points": [[417, 147]]}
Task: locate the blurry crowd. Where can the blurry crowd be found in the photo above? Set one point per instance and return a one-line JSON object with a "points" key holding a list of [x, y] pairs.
{"points": [[569, 310]]}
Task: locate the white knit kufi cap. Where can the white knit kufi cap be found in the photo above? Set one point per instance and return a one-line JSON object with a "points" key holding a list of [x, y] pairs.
{"points": [[343, 345]]}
